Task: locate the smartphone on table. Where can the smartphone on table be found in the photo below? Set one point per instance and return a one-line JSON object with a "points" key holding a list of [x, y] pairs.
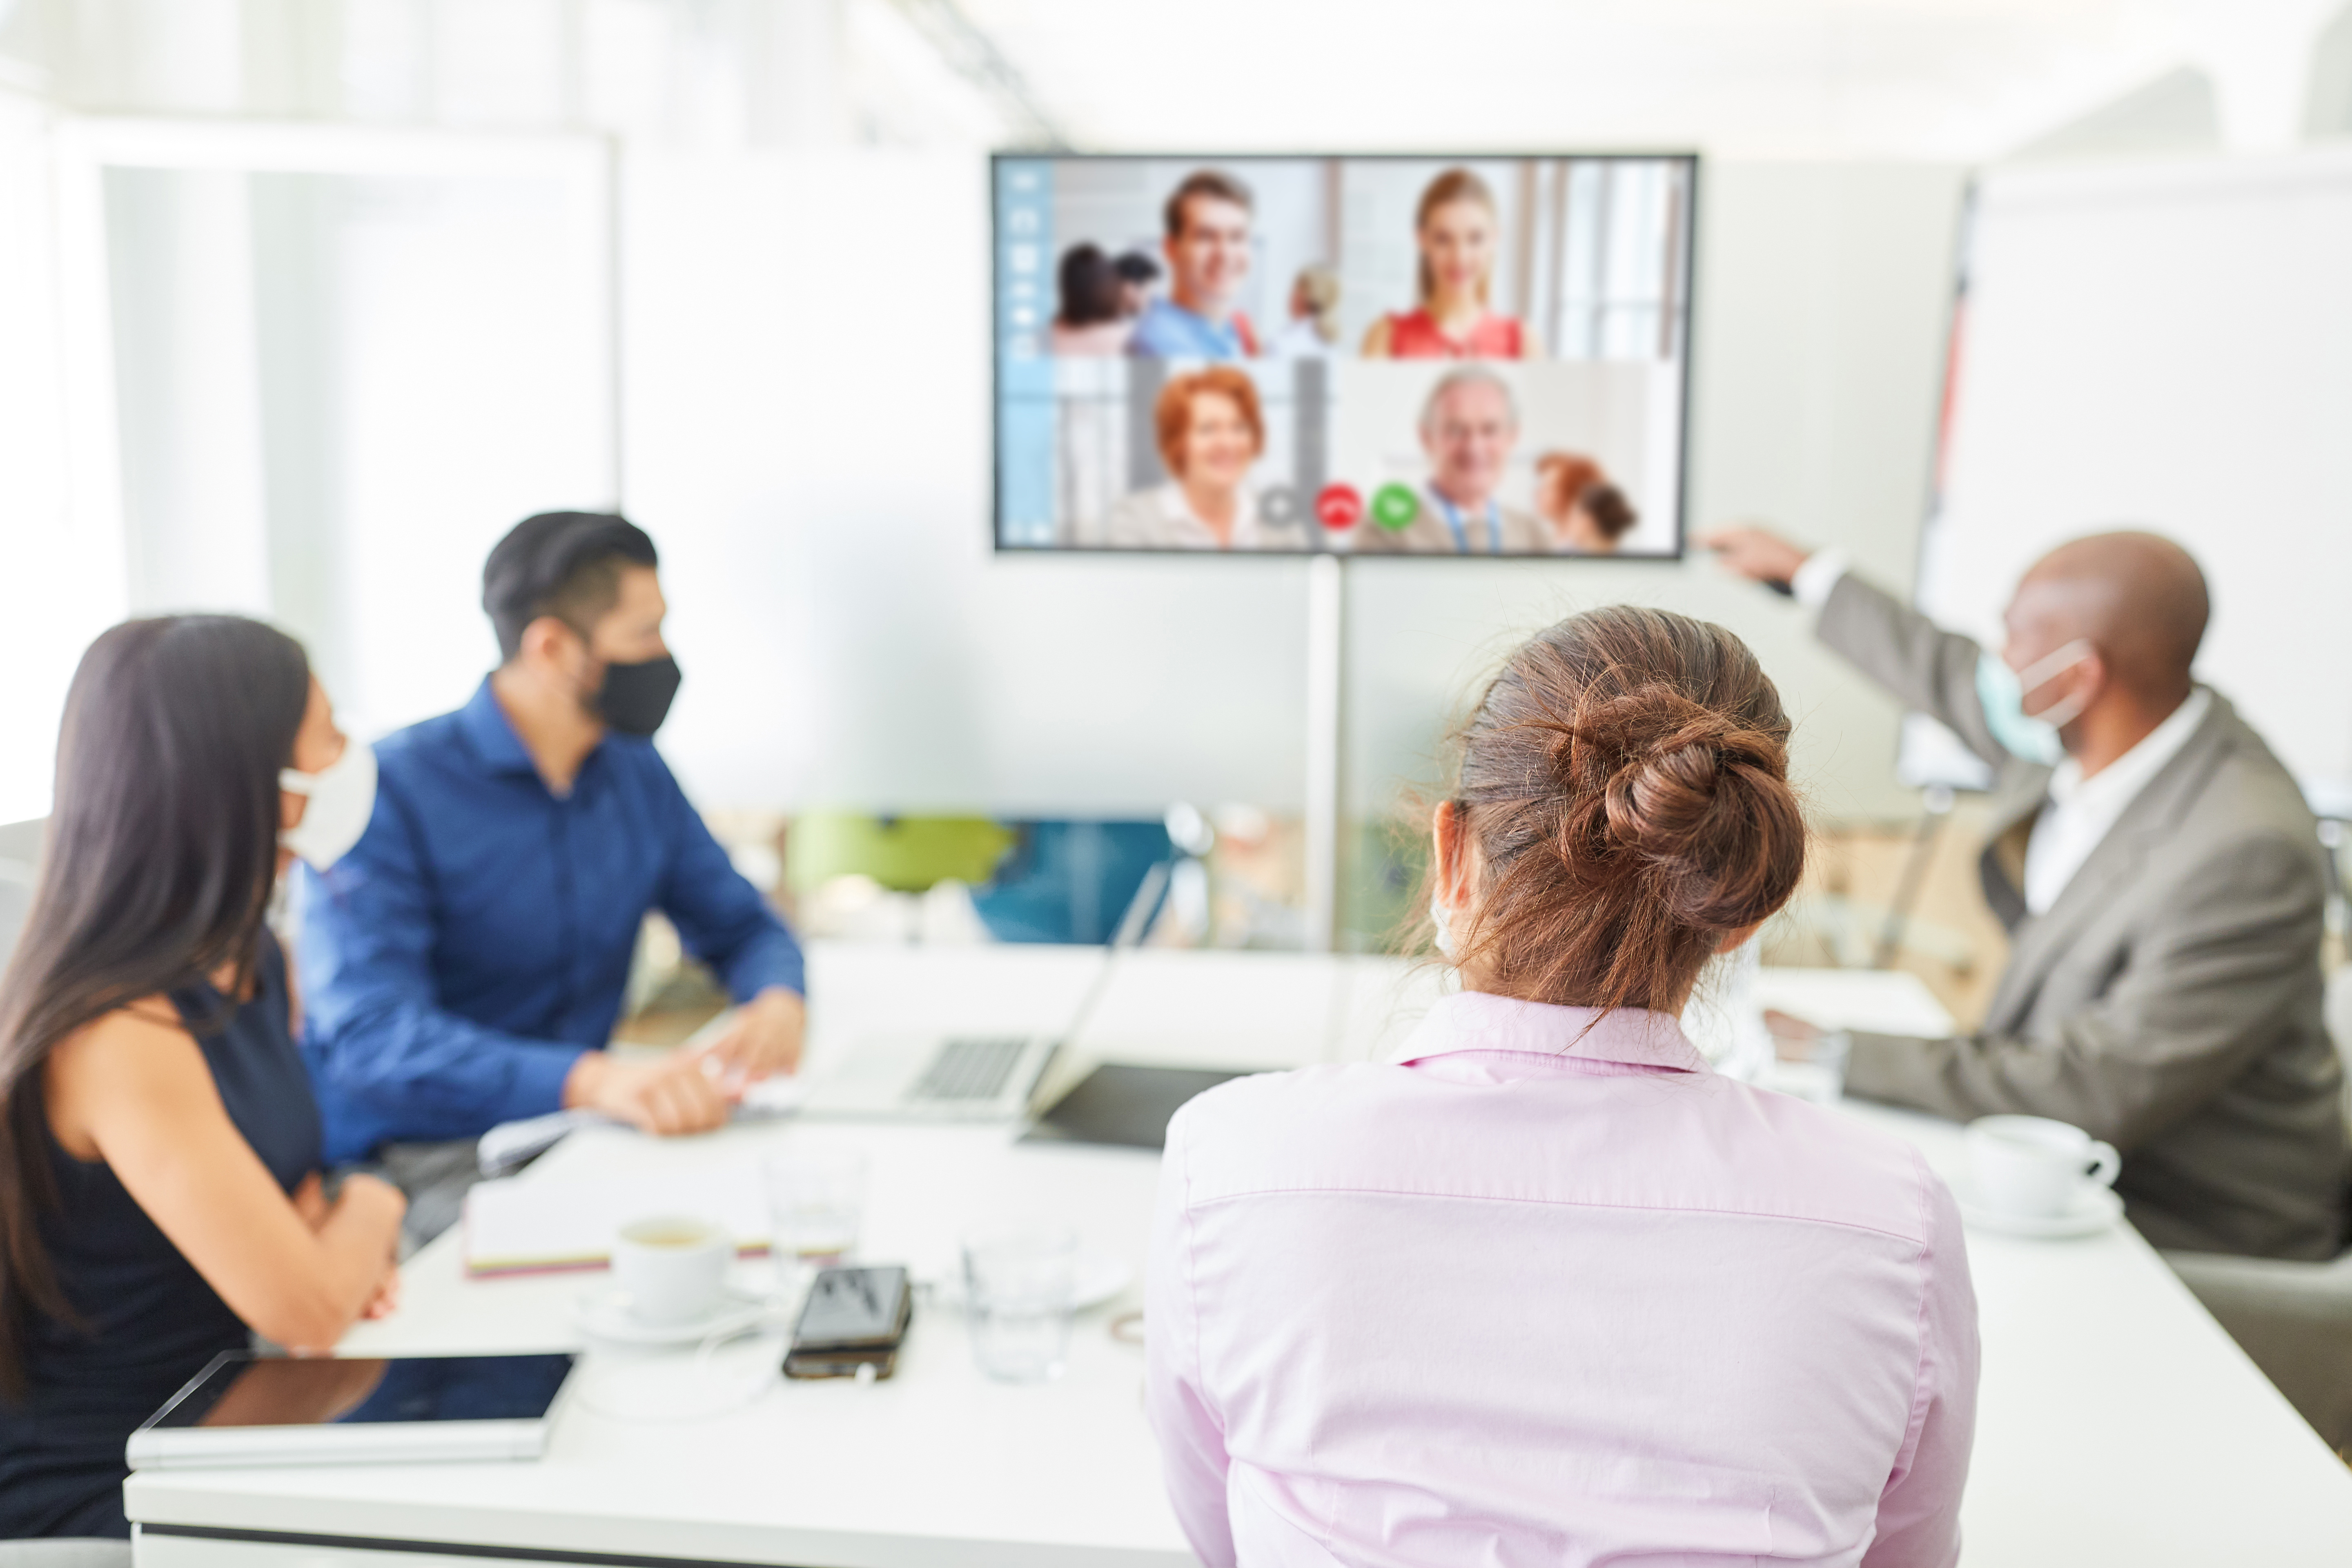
{"points": [[853, 1318]]}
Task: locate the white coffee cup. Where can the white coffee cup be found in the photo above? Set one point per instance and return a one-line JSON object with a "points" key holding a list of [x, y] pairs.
{"points": [[2033, 1167], [673, 1268]]}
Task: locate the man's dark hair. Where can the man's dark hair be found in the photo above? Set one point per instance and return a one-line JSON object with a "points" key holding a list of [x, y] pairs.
{"points": [[1134, 266], [1213, 183], [561, 563]]}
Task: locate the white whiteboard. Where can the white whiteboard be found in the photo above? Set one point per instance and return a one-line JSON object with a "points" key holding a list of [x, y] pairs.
{"points": [[2168, 345]]}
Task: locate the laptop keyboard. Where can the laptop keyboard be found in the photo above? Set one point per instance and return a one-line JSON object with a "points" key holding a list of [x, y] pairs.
{"points": [[963, 1070]]}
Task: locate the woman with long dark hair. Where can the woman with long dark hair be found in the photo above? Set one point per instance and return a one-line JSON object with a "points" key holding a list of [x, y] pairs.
{"points": [[160, 1193]]}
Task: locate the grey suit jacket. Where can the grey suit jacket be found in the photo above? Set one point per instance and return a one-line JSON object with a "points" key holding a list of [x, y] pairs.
{"points": [[2169, 1001]]}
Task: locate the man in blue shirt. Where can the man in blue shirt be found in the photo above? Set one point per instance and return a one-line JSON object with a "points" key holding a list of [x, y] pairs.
{"points": [[1208, 249], [464, 965]]}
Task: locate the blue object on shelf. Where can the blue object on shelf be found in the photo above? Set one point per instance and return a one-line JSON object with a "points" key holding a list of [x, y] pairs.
{"points": [[1069, 881]]}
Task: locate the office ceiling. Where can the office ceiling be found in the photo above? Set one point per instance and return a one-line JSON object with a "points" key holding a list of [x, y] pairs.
{"points": [[1927, 78]]}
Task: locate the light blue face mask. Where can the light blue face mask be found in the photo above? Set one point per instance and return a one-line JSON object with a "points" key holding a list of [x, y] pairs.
{"points": [[2004, 691]]}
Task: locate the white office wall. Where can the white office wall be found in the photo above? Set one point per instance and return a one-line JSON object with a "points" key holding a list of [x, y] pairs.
{"points": [[333, 388], [187, 389], [470, 388], [805, 433], [59, 586]]}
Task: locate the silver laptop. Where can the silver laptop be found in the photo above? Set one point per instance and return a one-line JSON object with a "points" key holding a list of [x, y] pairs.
{"points": [[926, 1077], [967, 1077]]}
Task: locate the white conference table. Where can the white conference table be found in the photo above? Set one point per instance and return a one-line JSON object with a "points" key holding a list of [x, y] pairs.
{"points": [[2118, 1425]]}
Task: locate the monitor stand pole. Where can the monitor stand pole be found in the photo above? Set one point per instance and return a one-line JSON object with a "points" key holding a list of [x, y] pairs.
{"points": [[1326, 613]]}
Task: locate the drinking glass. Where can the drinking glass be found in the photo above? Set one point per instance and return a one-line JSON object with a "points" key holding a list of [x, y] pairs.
{"points": [[816, 1202], [1017, 1303]]}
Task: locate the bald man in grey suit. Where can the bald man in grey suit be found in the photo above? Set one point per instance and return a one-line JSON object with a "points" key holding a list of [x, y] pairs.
{"points": [[2162, 883]]}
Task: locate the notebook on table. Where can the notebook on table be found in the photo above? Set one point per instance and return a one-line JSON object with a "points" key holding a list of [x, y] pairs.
{"points": [[521, 1226]]}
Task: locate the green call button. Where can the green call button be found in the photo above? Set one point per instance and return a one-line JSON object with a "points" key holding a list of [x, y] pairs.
{"points": [[1395, 506]]}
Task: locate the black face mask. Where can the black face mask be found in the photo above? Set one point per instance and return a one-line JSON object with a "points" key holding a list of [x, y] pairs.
{"points": [[636, 698]]}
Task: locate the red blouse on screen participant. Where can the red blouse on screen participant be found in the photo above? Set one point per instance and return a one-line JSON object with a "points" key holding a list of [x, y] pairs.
{"points": [[1458, 230]]}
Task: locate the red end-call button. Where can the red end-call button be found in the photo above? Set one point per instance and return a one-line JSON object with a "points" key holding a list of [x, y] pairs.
{"points": [[1338, 506]]}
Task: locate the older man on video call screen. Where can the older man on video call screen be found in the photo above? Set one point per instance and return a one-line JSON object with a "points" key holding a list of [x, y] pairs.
{"points": [[2160, 875], [1469, 425]]}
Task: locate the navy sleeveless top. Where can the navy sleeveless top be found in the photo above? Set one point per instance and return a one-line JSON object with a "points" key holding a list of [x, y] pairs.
{"points": [[149, 1321]]}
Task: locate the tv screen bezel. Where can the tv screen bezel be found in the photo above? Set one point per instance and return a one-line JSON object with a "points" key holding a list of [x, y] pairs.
{"points": [[1691, 159]]}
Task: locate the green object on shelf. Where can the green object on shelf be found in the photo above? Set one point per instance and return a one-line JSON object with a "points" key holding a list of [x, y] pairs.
{"points": [[1381, 862], [905, 853]]}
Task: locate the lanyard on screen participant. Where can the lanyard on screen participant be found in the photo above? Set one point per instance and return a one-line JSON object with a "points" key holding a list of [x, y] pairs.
{"points": [[1452, 516]]}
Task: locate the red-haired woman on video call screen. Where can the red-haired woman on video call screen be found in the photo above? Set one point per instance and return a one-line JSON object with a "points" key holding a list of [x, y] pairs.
{"points": [[1211, 430], [1587, 515], [1458, 229]]}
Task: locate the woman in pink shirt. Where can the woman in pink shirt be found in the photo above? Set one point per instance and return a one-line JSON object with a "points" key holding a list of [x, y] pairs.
{"points": [[1545, 1290]]}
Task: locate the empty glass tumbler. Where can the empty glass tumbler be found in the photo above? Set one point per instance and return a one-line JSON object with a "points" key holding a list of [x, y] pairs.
{"points": [[1017, 1303], [816, 1204]]}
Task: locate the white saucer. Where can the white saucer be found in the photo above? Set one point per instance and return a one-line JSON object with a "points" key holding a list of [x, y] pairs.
{"points": [[1100, 1277], [603, 1311], [2095, 1209]]}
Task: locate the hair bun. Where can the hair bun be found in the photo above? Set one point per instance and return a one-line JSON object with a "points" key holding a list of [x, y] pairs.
{"points": [[1624, 783], [1692, 792]]}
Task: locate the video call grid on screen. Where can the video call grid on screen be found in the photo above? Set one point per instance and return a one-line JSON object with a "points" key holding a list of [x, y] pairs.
{"points": [[1391, 355]]}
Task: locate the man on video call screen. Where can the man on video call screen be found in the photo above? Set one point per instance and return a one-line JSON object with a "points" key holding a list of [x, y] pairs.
{"points": [[1389, 356]]}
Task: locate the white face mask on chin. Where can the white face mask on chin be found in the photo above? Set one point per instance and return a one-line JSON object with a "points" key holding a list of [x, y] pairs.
{"points": [[343, 799], [1442, 918]]}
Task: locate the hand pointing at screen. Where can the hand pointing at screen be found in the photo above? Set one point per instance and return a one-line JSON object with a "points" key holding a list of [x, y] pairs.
{"points": [[1754, 552]]}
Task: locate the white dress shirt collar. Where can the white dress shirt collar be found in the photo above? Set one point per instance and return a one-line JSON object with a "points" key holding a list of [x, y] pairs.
{"points": [[2083, 811]]}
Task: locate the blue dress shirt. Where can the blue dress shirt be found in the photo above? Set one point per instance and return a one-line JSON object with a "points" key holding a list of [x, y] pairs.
{"points": [[477, 938], [1168, 331]]}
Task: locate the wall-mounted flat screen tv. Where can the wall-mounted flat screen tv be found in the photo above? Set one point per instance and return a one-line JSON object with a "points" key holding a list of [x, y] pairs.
{"points": [[1422, 356]]}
